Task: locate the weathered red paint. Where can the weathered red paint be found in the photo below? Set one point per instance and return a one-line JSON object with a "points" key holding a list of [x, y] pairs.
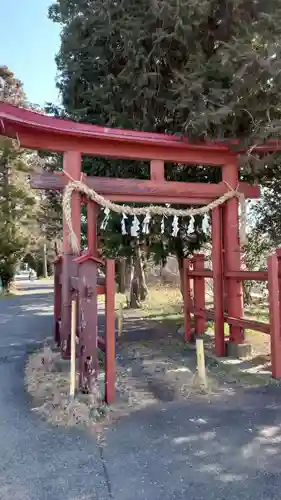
{"points": [[199, 294], [196, 273], [218, 287], [247, 275], [57, 299], [273, 263], [258, 326], [38, 131], [92, 215], [88, 310], [234, 290], [72, 165], [15, 119], [188, 306], [154, 191], [219, 275], [157, 171], [110, 371]]}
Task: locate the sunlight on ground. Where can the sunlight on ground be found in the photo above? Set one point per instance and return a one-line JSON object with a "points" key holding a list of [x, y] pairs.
{"points": [[7, 296], [164, 305], [162, 302]]}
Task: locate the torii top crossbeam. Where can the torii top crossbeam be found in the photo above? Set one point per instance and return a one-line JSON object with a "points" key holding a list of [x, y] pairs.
{"points": [[38, 131]]}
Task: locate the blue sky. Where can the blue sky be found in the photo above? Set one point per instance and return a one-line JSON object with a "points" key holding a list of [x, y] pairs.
{"points": [[29, 42]]}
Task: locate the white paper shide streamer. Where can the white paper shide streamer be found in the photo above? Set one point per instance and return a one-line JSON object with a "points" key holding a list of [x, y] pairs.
{"points": [[191, 228], [145, 224], [123, 224], [160, 211], [135, 228], [106, 218], [145, 229], [175, 226], [205, 224], [162, 227]]}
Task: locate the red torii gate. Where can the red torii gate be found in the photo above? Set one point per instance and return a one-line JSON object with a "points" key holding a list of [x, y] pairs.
{"points": [[38, 131]]}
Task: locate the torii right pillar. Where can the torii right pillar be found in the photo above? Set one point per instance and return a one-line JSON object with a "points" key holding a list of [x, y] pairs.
{"points": [[236, 346]]}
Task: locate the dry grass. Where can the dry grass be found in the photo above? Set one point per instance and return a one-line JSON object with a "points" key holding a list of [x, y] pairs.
{"points": [[164, 307], [162, 302], [7, 295], [151, 365], [49, 388], [166, 367], [158, 371]]}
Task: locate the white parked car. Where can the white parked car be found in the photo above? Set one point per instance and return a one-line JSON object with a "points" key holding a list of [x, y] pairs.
{"points": [[26, 274]]}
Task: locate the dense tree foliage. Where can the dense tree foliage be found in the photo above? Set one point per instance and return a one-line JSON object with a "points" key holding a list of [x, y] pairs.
{"points": [[207, 70], [210, 69], [17, 208], [50, 213], [267, 214], [19, 205], [11, 89]]}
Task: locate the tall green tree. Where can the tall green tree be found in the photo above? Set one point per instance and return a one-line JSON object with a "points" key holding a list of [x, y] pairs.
{"points": [[17, 209], [11, 89], [50, 213], [17, 202], [207, 70]]}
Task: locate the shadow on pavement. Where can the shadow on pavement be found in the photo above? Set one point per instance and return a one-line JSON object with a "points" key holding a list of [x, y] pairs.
{"points": [[228, 448]]}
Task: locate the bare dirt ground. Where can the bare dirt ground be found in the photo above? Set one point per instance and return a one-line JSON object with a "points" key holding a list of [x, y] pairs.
{"points": [[222, 444], [153, 366]]}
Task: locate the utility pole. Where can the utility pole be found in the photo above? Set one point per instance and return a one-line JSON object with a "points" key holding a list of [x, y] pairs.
{"points": [[45, 269]]}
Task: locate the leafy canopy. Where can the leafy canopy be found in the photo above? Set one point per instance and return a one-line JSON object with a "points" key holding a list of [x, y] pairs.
{"points": [[209, 69], [17, 202]]}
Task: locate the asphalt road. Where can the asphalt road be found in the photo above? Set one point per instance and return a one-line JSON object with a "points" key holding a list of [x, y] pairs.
{"points": [[229, 448], [38, 462]]}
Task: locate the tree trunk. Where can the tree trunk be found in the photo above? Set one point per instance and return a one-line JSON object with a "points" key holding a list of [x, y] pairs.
{"points": [[122, 274], [143, 290], [132, 286], [129, 276], [134, 291], [56, 249], [181, 271]]}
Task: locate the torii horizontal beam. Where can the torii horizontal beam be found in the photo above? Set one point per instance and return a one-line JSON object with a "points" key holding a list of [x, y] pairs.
{"points": [[145, 191], [38, 131]]}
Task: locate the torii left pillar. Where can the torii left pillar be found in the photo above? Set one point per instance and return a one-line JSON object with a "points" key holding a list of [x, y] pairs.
{"points": [[236, 346], [72, 168]]}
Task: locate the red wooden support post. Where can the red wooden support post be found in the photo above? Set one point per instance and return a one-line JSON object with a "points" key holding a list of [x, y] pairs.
{"points": [[273, 264], [110, 339], [72, 166], [57, 299], [199, 294], [157, 173], [92, 215], [232, 251], [187, 301], [87, 287], [218, 290]]}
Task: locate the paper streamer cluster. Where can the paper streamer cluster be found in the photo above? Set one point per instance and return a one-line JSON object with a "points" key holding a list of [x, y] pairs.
{"points": [[148, 212]]}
